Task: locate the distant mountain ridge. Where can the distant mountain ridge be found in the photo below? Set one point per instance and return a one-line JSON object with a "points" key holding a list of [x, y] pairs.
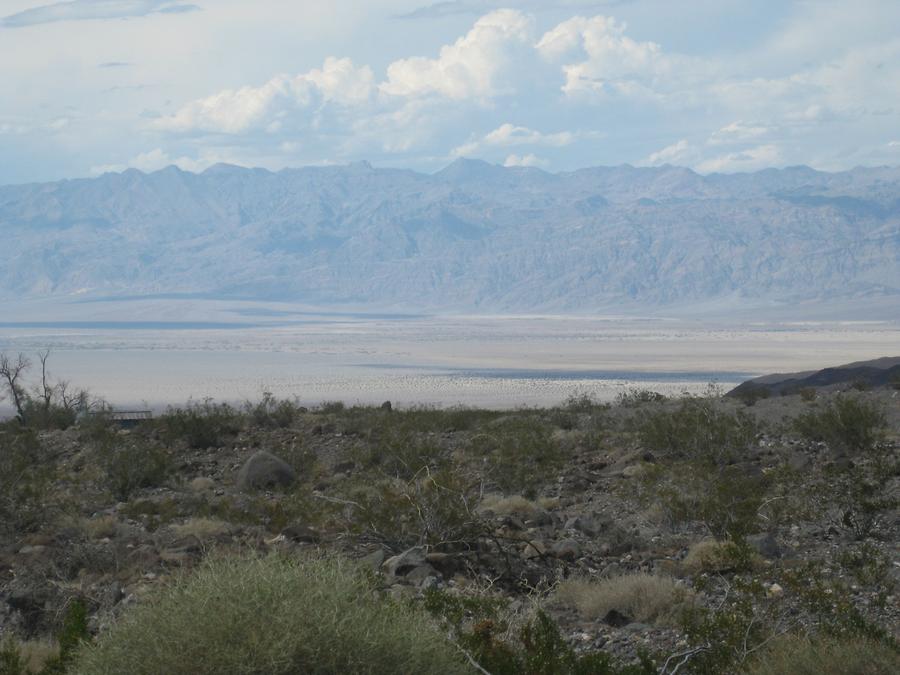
{"points": [[474, 236], [877, 373]]}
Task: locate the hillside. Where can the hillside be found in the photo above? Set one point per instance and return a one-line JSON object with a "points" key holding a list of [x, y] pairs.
{"points": [[473, 236]]}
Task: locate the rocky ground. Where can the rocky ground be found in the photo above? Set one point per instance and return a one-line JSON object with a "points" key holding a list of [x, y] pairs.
{"points": [[578, 510]]}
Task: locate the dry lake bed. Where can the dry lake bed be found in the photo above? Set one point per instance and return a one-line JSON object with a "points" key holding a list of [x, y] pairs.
{"points": [[155, 353]]}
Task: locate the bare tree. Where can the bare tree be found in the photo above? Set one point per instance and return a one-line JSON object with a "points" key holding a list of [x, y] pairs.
{"points": [[46, 390], [11, 373]]}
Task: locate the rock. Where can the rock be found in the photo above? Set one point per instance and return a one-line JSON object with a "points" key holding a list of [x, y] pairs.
{"points": [[534, 549], [182, 551], [387, 406], [444, 563], [567, 549], [616, 619], [300, 533], [418, 575], [767, 546], [202, 484], [774, 591], [584, 524], [374, 560], [265, 471], [402, 564]]}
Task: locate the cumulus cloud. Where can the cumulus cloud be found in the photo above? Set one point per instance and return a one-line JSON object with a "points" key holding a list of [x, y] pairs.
{"points": [[737, 131], [677, 152], [82, 10], [611, 61], [234, 111], [523, 160], [752, 159], [472, 67], [157, 159], [507, 135], [438, 10]]}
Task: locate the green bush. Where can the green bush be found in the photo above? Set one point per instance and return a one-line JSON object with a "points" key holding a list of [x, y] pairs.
{"points": [[519, 452], [633, 397], [271, 616], [271, 413], [129, 464], [699, 430], [201, 425], [430, 508], [11, 661], [26, 481], [847, 424], [824, 656], [481, 625]]}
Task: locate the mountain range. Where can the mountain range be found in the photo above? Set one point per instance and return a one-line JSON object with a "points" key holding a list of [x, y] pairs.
{"points": [[472, 237]]}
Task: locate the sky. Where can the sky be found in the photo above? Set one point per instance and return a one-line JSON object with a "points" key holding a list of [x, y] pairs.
{"points": [[90, 86]]}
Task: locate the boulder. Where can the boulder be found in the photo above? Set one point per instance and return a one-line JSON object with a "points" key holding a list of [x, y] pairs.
{"points": [[265, 471], [567, 549]]}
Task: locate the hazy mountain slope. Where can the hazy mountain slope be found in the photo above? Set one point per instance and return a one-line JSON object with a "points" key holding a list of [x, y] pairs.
{"points": [[471, 236]]}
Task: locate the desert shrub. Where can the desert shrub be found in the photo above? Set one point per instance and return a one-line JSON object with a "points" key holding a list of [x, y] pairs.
{"points": [[11, 659], [242, 616], [332, 407], [26, 481], [856, 493], [504, 643], [847, 424], [519, 452], [634, 397], [430, 508], [129, 464], [794, 655], [269, 412], [726, 636], [808, 394], [868, 565], [710, 556], [725, 500], [582, 402], [641, 597], [750, 394], [401, 454], [200, 425], [699, 430], [514, 505]]}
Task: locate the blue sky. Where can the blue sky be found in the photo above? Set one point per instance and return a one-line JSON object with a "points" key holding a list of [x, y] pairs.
{"points": [[718, 85]]}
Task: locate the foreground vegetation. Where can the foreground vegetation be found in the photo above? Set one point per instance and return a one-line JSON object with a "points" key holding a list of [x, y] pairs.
{"points": [[697, 535]]}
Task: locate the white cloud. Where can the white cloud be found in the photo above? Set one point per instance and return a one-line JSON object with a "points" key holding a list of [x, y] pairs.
{"points": [[82, 10], [472, 67], [737, 131], [157, 159], [509, 135], [894, 144], [613, 62], [235, 111], [752, 159], [523, 160], [677, 152]]}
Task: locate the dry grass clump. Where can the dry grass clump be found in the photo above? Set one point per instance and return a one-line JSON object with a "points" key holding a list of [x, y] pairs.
{"points": [[710, 556], [823, 656], [515, 505], [101, 527], [202, 528], [273, 615], [642, 597]]}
